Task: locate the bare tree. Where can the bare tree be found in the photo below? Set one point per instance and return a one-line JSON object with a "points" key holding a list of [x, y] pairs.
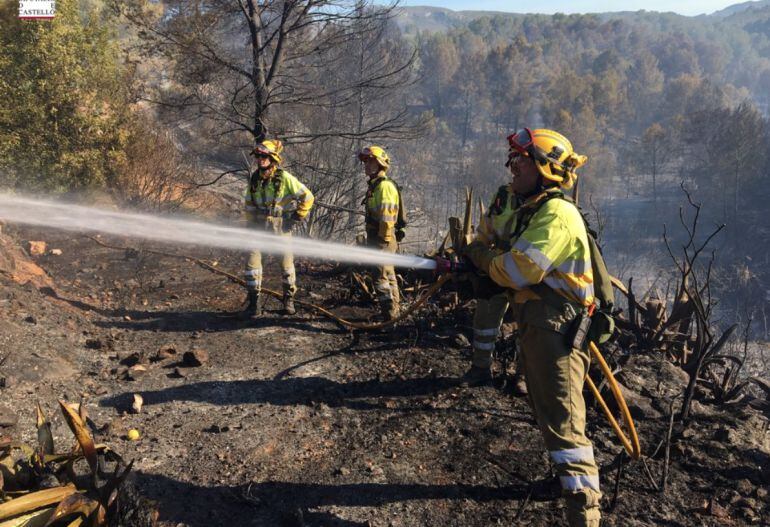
{"points": [[234, 65], [321, 75]]}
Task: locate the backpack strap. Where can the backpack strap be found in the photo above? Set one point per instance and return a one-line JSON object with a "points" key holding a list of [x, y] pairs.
{"points": [[527, 212]]}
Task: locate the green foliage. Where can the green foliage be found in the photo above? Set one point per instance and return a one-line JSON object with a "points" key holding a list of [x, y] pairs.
{"points": [[62, 99]]}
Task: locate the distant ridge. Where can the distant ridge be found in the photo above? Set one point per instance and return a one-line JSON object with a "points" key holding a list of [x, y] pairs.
{"points": [[738, 8], [437, 19]]}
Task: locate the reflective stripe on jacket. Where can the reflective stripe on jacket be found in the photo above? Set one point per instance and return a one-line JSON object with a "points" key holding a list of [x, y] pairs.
{"points": [[381, 208], [276, 197], [553, 249]]}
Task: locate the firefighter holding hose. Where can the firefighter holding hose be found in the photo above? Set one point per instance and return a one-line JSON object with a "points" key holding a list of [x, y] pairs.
{"points": [[549, 276], [385, 223], [277, 202]]}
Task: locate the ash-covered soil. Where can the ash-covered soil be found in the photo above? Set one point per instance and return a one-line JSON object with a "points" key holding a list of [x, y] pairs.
{"points": [[294, 421]]}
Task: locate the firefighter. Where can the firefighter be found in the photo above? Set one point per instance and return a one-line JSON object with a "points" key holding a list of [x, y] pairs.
{"points": [[548, 270], [494, 232], [277, 202], [383, 230]]}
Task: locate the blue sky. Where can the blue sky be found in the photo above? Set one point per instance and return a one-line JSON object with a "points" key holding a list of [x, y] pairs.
{"points": [[684, 7]]}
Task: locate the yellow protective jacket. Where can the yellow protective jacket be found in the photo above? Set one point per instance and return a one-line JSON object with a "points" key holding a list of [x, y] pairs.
{"points": [[497, 225], [278, 196], [381, 204], [553, 249]]}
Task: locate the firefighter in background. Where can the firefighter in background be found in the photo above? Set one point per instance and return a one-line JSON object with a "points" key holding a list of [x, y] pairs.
{"points": [[549, 272], [277, 202], [383, 212], [494, 232]]}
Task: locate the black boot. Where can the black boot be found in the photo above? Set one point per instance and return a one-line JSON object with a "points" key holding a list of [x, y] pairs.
{"points": [[477, 376], [288, 305], [253, 309]]}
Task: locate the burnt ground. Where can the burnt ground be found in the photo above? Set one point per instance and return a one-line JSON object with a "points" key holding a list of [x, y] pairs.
{"points": [[294, 421]]}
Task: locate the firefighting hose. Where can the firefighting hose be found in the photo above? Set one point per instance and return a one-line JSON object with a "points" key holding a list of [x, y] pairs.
{"points": [[630, 444]]}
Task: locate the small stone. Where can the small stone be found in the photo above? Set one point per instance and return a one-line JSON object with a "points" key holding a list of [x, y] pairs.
{"points": [[165, 352], [688, 433], [461, 341], [744, 487], [136, 371], [136, 406], [30, 319], [716, 510], [342, 471], [36, 248], [195, 357], [8, 419], [56, 252], [732, 497], [762, 493]]}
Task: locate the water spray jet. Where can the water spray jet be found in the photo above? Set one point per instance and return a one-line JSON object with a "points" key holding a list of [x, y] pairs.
{"points": [[78, 218]]}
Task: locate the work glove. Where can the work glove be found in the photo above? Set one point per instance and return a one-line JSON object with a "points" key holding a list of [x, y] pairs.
{"points": [[480, 255], [484, 287], [455, 265], [400, 234], [292, 223]]}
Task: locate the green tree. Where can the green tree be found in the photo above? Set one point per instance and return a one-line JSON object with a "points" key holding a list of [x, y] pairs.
{"points": [[655, 154], [62, 99]]}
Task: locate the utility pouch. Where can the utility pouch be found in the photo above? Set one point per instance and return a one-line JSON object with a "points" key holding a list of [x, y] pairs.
{"points": [[602, 327], [577, 334]]}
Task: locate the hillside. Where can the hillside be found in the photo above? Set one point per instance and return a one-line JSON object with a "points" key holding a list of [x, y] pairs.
{"points": [[296, 422]]}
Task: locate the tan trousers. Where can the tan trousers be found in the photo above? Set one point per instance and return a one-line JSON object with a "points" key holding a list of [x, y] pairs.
{"points": [[555, 377], [486, 327], [385, 282], [253, 273]]}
